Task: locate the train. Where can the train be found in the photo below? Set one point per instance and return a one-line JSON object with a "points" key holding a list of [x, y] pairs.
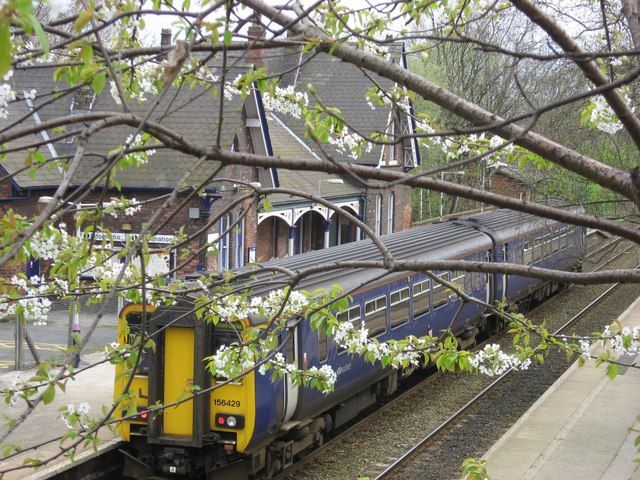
{"points": [[257, 427]]}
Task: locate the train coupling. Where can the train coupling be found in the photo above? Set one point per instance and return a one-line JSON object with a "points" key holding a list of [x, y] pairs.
{"points": [[174, 461]]}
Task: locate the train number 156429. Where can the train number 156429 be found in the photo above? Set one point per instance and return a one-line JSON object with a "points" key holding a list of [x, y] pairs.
{"points": [[227, 403]]}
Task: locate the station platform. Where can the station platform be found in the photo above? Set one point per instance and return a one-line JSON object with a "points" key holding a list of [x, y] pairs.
{"points": [[94, 386], [581, 428]]}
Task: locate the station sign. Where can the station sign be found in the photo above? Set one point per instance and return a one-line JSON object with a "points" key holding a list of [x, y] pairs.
{"points": [[123, 237]]}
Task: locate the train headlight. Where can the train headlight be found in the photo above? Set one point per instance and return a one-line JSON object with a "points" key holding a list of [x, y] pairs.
{"points": [[229, 421]]}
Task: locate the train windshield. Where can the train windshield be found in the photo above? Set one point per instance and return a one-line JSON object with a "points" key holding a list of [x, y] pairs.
{"points": [[134, 321], [225, 334]]}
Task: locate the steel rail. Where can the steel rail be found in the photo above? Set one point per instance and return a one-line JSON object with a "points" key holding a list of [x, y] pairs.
{"points": [[407, 456]]}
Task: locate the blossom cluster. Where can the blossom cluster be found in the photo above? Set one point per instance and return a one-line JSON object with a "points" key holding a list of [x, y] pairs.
{"points": [[138, 158], [350, 144], [48, 243], [602, 116], [32, 304], [396, 354], [73, 416], [492, 361], [233, 307], [140, 83], [625, 341], [116, 205], [286, 101], [461, 146], [231, 361], [7, 94]]}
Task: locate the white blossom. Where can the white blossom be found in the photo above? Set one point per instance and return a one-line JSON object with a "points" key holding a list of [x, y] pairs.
{"points": [[286, 101], [492, 361], [57, 8], [602, 116], [7, 94], [33, 303]]}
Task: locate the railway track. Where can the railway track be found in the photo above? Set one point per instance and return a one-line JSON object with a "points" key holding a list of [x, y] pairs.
{"points": [[292, 472], [430, 438]]}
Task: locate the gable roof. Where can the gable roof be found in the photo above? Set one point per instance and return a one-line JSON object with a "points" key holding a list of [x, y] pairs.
{"points": [[286, 144], [190, 112], [337, 84]]}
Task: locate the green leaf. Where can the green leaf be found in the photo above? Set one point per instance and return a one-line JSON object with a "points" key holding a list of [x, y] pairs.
{"points": [[5, 51], [42, 37], [83, 18], [227, 37], [612, 370], [98, 82], [49, 394]]}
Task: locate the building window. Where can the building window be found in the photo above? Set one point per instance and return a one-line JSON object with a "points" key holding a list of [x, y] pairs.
{"points": [[224, 243], [390, 212], [239, 260], [392, 147], [378, 226]]}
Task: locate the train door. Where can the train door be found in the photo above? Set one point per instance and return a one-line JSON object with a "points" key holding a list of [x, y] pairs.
{"points": [[291, 391], [178, 379], [489, 281]]}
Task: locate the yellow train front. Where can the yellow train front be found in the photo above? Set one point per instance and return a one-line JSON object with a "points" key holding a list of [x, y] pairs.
{"points": [[226, 432]]}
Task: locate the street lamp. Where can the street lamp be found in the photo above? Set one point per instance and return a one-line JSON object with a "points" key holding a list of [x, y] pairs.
{"points": [[442, 174], [74, 310]]}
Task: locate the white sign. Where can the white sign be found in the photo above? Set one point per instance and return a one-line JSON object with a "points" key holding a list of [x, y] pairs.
{"points": [[122, 237]]}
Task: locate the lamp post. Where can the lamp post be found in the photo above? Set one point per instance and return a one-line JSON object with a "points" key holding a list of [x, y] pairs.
{"points": [[331, 181], [442, 174], [74, 310]]}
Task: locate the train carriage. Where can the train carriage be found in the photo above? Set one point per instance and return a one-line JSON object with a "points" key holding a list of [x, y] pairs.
{"points": [[256, 427]]}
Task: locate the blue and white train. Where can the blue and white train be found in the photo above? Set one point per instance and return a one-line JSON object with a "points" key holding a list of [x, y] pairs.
{"points": [[255, 428]]}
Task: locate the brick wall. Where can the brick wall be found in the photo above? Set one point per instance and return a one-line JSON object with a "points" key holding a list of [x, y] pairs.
{"points": [[402, 204], [503, 185], [123, 224]]}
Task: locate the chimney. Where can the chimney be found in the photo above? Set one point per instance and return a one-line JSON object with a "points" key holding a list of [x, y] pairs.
{"points": [[165, 37], [257, 33]]}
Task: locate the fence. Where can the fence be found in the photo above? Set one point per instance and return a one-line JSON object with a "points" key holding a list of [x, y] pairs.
{"points": [[26, 344]]}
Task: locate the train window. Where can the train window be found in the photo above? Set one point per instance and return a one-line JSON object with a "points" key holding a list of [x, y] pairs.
{"points": [[134, 322], [527, 254], [290, 353], [375, 313], [420, 298], [399, 307], [440, 296], [468, 281], [349, 315], [226, 334], [323, 346], [458, 281], [537, 252]]}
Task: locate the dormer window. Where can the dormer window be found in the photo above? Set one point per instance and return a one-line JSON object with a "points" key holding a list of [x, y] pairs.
{"points": [[82, 101]]}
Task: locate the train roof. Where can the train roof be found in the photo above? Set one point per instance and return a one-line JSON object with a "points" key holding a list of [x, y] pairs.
{"points": [[447, 240], [505, 225]]}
